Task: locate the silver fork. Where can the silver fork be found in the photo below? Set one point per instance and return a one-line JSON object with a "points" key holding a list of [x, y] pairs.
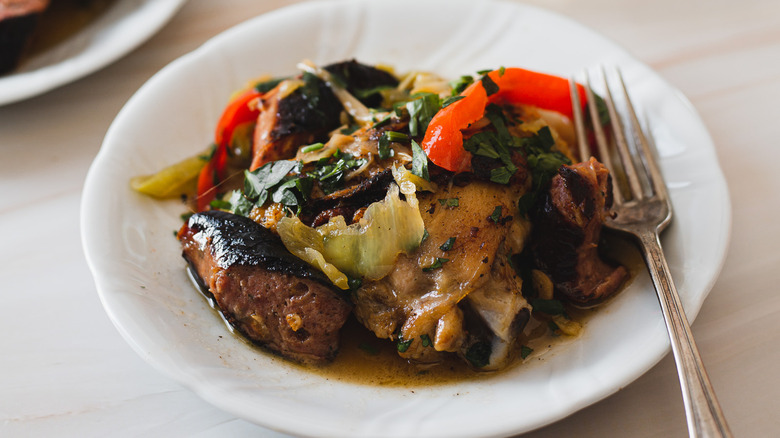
{"points": [[642, 210]]}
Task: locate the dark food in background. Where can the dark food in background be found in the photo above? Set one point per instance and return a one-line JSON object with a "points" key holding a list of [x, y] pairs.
{"points": [[18, 19], [270, 296]]}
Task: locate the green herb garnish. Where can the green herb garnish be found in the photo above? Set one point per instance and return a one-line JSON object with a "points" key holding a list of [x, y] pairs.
{"points": [[402, 345], [330, 172], [440, 261], [449, 202], [450, 100], [383, 122], [384, 150], [479, 354], [419, 162], [266, 86], [426, 340], [461, 84], [446, 246], [490, 86], [525, 351], [503, 174], [421, 111], [496, 215], [495, 145], [543, 163]]}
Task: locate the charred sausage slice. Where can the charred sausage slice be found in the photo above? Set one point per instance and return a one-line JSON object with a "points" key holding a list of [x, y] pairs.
{"points": [[270, 296]]}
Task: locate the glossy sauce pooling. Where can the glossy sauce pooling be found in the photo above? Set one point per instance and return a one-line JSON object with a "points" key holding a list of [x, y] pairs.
{"points": [[366, 360]]}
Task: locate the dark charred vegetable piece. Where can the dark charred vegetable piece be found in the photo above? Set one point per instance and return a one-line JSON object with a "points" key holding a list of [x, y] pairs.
{"points": [[347, 201], [311, 111], [287, 122], [270, 296], [363, 81], [567, 224], [17, 23]]}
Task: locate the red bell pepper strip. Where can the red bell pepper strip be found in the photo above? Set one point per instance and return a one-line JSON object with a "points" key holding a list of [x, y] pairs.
{"points": [[443, 141], [240, 110]]}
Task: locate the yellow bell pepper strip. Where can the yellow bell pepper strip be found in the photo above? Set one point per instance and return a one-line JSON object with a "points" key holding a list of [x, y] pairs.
{"points": [[240, 110], [443, 141], [172, 181]]}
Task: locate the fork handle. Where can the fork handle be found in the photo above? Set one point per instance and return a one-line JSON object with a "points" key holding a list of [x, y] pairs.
{"points": [[705, 417]]}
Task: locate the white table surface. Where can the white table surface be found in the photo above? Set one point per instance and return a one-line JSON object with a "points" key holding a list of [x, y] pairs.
{"points": [[65, 370]]}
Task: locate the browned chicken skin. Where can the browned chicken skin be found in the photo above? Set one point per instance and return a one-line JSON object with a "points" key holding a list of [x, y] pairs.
{"points": [[266, 293], [419, 305]]}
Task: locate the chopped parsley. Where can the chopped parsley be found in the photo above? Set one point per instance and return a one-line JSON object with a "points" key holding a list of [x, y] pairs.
{"points": [[450, 100], [219, 204], [240, 204], [380, 123], [272, 180], [421, 110], [525, 351], [266, 86], [495, 144], [543, 163], [479, 354], [490, 86], [496, 215], [365, 93], [331, 171], [384, 143], [502, 175], [446, 246], [419, 162], [283, 182], [426, 340], [449, 202], [440, 261], [461, 84], [402, 345]]}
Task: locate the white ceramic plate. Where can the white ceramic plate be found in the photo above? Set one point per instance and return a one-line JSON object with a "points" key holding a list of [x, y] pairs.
{"points": [[120, 29], [141, 278]]}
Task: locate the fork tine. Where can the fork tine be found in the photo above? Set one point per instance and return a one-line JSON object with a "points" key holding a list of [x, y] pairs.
{"points": [[637, 192], [601, 138], [579, 121], [653, 171]]}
